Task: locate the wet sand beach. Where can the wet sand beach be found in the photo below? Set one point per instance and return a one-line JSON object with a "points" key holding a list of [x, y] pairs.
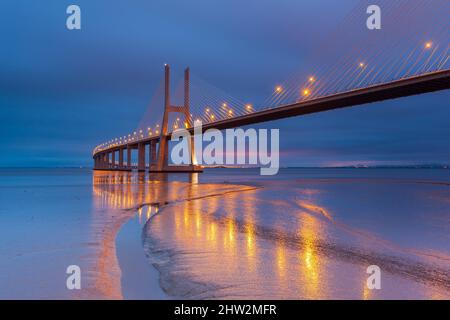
{"points": [[226, 233]]}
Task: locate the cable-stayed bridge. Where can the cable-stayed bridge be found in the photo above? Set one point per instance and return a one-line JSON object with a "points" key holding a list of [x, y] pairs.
{"points": [[345, 72]]}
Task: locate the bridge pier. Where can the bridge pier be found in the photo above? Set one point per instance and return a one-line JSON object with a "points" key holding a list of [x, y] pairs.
{"points": [[106, 160], [141, 157], [121, 159], [151, 154], [129, 164], [113, 159], [100, 163]]}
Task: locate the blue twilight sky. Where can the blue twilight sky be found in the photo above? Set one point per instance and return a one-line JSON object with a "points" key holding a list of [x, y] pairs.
{"points": [[63, 92]]}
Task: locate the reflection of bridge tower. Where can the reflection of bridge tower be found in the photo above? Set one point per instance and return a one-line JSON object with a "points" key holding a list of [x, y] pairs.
{"points": [[162, 164]]}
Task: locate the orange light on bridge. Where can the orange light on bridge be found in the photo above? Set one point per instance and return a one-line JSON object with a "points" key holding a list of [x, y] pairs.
{"points": [[306, 92], [207, 109], [230, 112], [224, 105], [312, 79], [212, 117], [428, 45], [249, 107], [362, 65], [278, 89]]}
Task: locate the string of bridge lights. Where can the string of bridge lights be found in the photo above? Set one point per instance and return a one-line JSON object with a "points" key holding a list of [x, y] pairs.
{"points": [[209, 116]]}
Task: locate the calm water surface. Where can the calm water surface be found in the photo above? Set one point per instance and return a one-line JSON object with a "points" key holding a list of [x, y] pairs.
{"points": [[226, 233]]}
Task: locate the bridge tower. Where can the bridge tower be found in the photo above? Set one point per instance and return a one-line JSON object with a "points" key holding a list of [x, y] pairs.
{"points": [[162, 164]]}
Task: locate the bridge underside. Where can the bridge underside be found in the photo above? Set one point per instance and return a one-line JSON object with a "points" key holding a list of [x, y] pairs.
{"points": [[436, 81]]}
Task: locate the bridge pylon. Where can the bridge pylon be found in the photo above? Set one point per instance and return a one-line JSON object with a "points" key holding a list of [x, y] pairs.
{"points": [[162, 164]]}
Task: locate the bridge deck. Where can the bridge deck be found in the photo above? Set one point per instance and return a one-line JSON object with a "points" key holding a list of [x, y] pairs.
{"points": [[401, 88]]}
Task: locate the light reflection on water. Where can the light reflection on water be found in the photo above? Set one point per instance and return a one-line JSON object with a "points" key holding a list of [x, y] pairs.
{"points": [[226, 256], [284, 240]]}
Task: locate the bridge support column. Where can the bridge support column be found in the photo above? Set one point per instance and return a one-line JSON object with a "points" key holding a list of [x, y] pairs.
{"points": [[188, 117], [121, 158], [129, 164], [141, 157], [151, 154], [162, 159], [163, 154], [100, 161], [113, 159], [106, 160]]}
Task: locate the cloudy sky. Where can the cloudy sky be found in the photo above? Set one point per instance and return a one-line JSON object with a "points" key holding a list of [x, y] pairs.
{"points": [[62, 92]]}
